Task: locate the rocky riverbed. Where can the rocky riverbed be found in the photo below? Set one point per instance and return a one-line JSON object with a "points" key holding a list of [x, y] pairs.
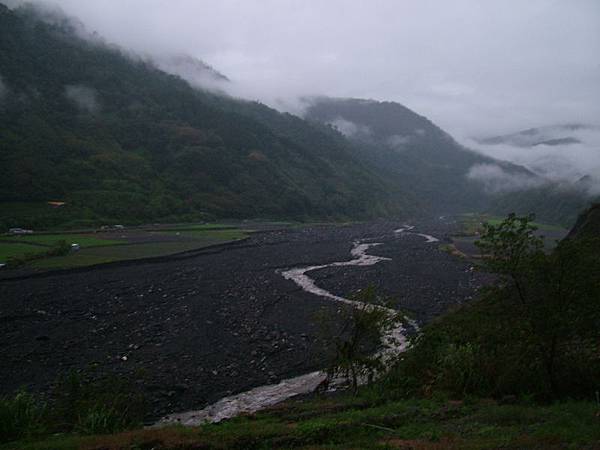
{"points": [[222, 320]]}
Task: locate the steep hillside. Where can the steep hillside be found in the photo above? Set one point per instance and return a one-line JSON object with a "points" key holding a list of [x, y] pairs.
{"points": [[443, 174], [588, 223], [118, 139], [409, 147], [551, 203]]}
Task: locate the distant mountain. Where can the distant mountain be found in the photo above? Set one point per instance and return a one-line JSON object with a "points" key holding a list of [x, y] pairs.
{"points": [[444, 174], [410, 148], [559, 141], [549, 135], [568, 156]]}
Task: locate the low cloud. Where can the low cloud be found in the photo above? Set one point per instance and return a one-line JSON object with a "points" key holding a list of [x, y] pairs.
{"points": [[570, 156], [410, 52], [350, 129], [495, 179], [85, 98], [399, 142], [194, 71], [51, 13]]}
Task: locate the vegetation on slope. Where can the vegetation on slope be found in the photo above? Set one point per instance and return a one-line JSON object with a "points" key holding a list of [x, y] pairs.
{"points": [[118, 139], [419, 155], [536, 333], [555, 204], [430, 163], [588, 223]]}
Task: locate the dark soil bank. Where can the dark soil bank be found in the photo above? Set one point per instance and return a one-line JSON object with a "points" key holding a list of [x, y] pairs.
{"points": [[216, 322]]}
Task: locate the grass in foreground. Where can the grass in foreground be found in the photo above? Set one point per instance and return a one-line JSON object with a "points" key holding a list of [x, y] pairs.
{"points": [[347, 422], [201, 226]]}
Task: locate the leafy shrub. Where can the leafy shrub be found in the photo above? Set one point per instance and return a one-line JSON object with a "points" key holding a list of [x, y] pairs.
{"points": [[362, 329], [96, 406], [20, 416], [77, 405], [61, 248], [102, 420], [459, 367]]}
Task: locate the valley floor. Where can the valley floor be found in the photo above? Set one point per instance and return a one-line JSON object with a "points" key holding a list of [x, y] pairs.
{"points": [[196, 327]]}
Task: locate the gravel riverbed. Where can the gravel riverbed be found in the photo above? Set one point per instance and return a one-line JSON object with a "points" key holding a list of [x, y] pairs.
{"points": [[217, 321]]}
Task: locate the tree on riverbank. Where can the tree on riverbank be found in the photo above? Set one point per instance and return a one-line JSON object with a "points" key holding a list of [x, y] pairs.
{"points": [[363, 329], [535, 333], [555, 297]]}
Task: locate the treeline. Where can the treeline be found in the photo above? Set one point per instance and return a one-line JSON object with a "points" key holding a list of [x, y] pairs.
{"points": [[535, 334]]}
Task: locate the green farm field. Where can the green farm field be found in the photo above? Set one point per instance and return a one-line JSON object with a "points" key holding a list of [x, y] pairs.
{"points": [[105, 247]]}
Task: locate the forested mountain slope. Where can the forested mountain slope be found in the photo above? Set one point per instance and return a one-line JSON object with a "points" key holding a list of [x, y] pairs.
{"points": [[588, 223], [417, 153], [117, 138], [447, 176]]}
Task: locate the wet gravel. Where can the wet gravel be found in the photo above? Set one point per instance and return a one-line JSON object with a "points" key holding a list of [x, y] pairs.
{"points": [[217, 321]]}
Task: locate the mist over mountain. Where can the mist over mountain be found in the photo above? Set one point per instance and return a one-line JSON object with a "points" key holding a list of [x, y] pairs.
{"points": [[549, 135], [117, 138], [418, 154], [474, 70], [446, 174], [196, 72], [127, 136], [567, 154]]}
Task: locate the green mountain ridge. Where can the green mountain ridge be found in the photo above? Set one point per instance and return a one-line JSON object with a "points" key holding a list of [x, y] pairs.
{"points": [[118, 138]]}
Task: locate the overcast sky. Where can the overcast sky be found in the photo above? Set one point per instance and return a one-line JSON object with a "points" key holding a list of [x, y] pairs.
{"points": [[474, 67]]}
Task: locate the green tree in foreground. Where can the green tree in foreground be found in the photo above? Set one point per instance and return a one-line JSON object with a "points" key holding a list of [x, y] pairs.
{"points": [[361, 341], [555, 296], [535, 333]]}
